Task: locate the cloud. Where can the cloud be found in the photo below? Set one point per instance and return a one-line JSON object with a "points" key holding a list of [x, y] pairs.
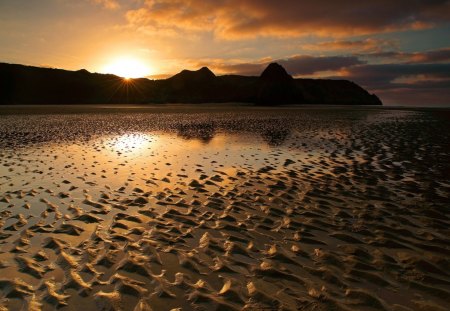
{"points": [[238, 19], [435, 56], [246, 69], [406, 84], [309, 65], [401, 75], [297, 65], [356, 46], [432, 56], [381, 76], [108, 4]]}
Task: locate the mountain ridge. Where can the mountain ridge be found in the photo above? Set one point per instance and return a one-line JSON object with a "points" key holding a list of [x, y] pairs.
{"points": [[35, 85]]}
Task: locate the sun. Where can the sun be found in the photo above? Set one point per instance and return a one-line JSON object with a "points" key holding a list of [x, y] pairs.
{"points": [[127, 67]]}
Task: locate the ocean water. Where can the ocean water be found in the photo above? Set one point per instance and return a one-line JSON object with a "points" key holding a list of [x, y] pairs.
{"points": [[224, 207]]}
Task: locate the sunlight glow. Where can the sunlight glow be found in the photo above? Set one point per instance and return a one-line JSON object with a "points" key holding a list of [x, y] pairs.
{"points": [[127, 68], [130, 142]]}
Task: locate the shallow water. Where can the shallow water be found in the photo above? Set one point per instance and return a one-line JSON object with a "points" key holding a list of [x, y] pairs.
{"points": [[231, 207]]}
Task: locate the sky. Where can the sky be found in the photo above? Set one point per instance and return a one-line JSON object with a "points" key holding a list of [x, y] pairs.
{"points": [[399, 50]]}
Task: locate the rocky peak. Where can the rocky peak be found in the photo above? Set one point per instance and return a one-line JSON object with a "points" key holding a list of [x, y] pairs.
{"points": [[203, 74], [205, 71], [275, 72]]}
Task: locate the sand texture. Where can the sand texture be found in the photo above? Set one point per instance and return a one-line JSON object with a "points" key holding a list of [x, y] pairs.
{"points": [[228, 208]]}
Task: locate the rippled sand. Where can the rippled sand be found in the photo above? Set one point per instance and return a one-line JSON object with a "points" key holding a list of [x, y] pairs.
{"points": [[228, 208]]}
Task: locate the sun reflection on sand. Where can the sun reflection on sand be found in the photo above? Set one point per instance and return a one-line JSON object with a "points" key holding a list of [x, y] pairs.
{"points": [[131, 142]]}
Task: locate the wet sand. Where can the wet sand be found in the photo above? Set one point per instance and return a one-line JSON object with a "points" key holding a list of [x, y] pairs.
{"points": [[227, 208]]}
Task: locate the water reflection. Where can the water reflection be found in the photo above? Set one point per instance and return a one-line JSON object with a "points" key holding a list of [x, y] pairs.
{"points": [[202, 131], [17, 131], [275, 137], [133, 142], [205, 132]]}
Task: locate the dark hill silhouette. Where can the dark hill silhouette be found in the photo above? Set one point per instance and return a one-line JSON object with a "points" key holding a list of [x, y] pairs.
{"points": [[276, 85], [275, 73], [201, 75], [190, 86], [33, 85]]}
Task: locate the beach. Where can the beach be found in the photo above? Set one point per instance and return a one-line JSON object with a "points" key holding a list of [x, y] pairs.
{"points": [[226, 207]]}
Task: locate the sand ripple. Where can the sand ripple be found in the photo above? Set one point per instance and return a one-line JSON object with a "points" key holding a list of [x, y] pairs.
{"points": [[340, 209]]}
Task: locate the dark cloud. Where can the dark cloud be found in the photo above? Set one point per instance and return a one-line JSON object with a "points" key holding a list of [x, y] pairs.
{"points": [[367, 45], [299, 65], [397, 75], [236, 18], [434, 56], [442, 55], [309, 65], [404, 84]]}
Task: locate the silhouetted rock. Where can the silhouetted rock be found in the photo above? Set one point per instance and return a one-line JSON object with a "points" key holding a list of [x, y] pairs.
{"points": [[276, 87], [191, 86], [334, 92], [275, 73], [201, 75], [32, 85]]}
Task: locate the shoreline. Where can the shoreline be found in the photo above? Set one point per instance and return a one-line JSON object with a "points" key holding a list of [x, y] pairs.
{"points": [[185, 108]]}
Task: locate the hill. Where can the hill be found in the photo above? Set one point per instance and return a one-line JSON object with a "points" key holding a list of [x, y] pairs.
{"points": [[34, 85]]}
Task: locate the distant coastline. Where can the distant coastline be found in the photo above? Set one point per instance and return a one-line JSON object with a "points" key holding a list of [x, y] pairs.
{"points": [[27, 85]]}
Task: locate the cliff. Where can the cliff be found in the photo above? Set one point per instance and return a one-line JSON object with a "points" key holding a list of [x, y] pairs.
{"points": [[276, 85], [33, 85]]}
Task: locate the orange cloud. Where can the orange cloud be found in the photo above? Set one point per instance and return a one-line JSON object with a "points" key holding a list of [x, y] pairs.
{"points": [[234, 19], [360, 46], [108, 4]]}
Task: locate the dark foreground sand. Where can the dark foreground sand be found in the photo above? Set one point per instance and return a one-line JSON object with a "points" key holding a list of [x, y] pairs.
{"points": [[232, 208]]}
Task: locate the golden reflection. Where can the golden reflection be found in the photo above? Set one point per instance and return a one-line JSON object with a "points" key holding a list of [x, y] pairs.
{"points": [[131, 142]]}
